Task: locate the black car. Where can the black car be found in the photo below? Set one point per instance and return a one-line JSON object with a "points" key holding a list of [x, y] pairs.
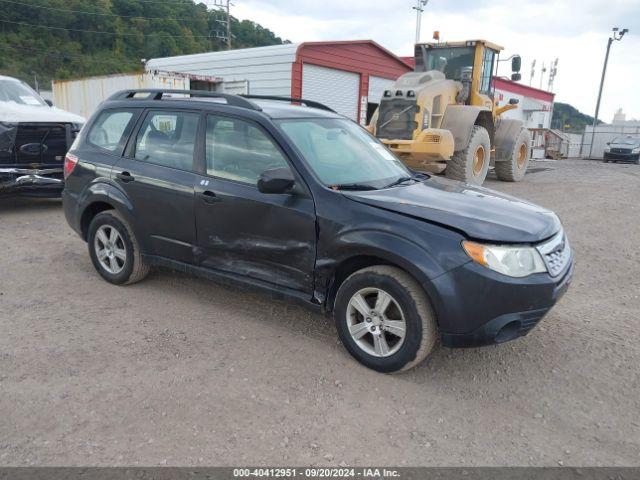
{"points": [[623, 149], [287, 196]]}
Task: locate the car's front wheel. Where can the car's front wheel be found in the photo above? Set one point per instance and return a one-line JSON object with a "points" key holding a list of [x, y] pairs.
{"points": [[114, 250], [384, 319]]}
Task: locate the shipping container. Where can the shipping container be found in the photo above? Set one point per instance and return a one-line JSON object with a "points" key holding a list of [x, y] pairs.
{"points": [[84, 95]]}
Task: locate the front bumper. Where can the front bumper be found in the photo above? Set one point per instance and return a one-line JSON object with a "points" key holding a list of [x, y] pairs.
{"points": [[45, 182], [477, 306], [622, 157]]}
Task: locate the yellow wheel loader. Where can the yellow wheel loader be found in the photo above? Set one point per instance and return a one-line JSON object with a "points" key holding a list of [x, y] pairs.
{"points": [[443, 116]]}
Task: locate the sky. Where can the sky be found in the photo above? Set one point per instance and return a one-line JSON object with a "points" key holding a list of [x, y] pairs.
{"points": [[574, 31]]}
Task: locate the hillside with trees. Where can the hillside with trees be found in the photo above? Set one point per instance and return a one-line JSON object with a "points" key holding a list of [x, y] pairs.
{"points": [[569, 119], [76, 38]]}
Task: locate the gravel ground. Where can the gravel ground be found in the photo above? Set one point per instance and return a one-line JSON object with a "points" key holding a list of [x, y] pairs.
{"points": [[181, 371]]}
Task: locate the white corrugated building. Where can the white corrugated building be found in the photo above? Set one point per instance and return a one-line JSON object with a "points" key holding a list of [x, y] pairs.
{"points": [[348, 76]]}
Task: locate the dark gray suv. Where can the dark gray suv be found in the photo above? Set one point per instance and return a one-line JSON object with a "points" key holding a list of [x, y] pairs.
{"points": [[287, 196]]}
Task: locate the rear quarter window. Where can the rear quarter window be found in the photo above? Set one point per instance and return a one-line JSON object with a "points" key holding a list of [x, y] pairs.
{"points": [[108, 131]]}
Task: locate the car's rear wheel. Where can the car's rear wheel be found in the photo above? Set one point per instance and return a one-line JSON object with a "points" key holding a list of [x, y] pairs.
{"points": [[114, 250], [384, 319]]}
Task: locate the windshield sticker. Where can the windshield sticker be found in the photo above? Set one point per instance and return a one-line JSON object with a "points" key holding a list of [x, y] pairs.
{"points": [[29, 100], [383, 151]]}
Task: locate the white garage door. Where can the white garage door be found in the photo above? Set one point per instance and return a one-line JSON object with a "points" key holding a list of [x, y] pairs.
{"points": [[377, 86], [335, 88]]}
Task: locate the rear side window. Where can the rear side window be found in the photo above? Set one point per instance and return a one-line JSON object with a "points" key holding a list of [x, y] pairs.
{"points": [[107, 131], [168, 138], [238, 150]]}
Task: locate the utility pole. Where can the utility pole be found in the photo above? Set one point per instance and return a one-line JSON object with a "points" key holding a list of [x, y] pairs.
{"points": [[552, 74], [617, 36], [228, 25], [224, 6], [542, 72], [533, 71], [419, 8]]}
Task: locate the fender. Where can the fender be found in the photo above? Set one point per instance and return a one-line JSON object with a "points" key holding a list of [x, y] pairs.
{"points": [[387, 246], [459, 120], [101, 190], [506, 133]]}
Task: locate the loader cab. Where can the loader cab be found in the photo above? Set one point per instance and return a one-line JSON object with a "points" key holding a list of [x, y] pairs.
{"points": [[471, 62]]}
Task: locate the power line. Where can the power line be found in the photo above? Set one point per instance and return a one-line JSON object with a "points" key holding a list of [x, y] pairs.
{"points": [[101, 33], [94, 13]]}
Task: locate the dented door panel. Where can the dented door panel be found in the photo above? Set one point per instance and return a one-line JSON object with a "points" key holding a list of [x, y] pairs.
{"points": [[269, 237]]}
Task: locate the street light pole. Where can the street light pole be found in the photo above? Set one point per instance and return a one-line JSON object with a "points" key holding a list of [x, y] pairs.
{"points": [[617, 36], [419, 8]]}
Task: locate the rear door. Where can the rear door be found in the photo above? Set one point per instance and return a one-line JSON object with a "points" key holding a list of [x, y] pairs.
{"points": [[268, 237], [157, 174]]}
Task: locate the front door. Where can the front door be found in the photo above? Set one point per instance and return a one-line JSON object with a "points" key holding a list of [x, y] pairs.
{"points": [[268, 237], [158, 177]]}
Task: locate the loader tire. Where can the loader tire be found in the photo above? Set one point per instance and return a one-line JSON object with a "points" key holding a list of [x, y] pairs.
{"points": [[472, 164], [514, 167]]}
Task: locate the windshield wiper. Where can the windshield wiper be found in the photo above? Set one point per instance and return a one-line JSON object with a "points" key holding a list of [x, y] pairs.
{"points": [[401, 180], [353, 186]]}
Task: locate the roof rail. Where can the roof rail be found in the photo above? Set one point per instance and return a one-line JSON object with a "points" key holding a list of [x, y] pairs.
{"points": [[308, 103], [158, 93]]}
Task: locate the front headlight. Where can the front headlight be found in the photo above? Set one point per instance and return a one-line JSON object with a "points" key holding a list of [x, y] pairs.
{"points": [[607, 149], [636, 150], [514, 261]]}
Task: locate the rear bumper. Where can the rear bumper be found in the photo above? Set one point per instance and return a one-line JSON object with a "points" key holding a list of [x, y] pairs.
{"points": [[46, 182], [482, 307]]}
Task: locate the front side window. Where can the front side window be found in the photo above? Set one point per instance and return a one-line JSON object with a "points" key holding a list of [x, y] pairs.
{"points": [[108, 129], [342, 153], [451, 61], [239, 150], [487, 70], [168, 138]]}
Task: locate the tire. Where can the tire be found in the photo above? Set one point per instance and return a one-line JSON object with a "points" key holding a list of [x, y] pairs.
{"points": [[514, 167], [130, 269], [465, 165], [408, 304]]}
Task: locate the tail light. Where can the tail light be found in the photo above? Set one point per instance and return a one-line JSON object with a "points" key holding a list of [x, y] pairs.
{"points": [[70, 162]]}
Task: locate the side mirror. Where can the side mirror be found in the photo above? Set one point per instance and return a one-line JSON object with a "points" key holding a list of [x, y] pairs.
{"points": [[516, 63], [48, 102], [608, 143], [516, 77], [277, 180]]}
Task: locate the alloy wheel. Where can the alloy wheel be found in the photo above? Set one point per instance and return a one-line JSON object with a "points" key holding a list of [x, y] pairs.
{"points": [[376, 322], [110, 249]]}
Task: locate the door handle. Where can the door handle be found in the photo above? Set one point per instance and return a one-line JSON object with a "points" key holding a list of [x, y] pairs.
{"points": [[125, 177], [209, 197]]}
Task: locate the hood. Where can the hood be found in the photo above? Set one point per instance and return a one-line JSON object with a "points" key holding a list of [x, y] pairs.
{"points": [[480, 213], [12, 112]]}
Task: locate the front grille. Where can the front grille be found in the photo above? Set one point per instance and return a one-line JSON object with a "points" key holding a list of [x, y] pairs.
{"points": [[396, 119], [556, 253], [35, 143], [621, 150]]}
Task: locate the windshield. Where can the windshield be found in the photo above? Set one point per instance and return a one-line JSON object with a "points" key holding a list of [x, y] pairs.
{"points": [[342, 153], [451, 61], [18, 92], [626, 141]]}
